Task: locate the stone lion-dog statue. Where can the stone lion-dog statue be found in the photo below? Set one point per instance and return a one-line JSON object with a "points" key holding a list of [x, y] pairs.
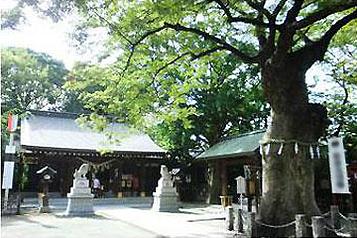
{"points": [[81, 172]]}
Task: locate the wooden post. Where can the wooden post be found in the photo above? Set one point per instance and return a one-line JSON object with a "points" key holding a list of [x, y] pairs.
{"points": [[300, 225], [229, 218], [142, 179], [353, 224], [318, 229], [239, 220], [334, 216], [251, 225], [223, 172]]}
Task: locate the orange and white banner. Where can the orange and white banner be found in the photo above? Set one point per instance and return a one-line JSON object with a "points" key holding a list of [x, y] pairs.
{"points": [[12, 121]]}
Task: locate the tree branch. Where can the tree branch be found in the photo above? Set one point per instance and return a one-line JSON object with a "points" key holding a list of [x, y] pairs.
{"points": [[319, 15], [224, 8], [111, 25], [256, 22], [293, 12], [136, 43], [326, 38], [259, 7], [342, 84], [170, 63], [244, 57], [193, 57], [317, 49], [278, 8], [285, 39]]}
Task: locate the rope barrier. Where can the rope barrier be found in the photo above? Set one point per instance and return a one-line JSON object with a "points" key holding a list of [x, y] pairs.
{"points": [[343, 217], [279, 141], [308, 225], [277, 226], [334, 230], [326, 214]]}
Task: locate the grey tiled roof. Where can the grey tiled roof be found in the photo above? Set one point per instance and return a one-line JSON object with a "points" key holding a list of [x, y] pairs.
{"points": [[235, 146], [45, 131]]}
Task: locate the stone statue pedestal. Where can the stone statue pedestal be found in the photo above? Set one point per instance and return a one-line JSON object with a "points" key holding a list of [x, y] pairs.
{"points": [[80, 199], [165, 196]]}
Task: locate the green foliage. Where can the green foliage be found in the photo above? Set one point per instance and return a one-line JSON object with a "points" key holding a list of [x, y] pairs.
{"points": [[186, 108], [165, 82], [341, 61], [29, 80]]}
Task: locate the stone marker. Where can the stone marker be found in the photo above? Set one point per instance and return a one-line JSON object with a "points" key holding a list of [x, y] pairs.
{"points": [[165, 196], [80, 199], [239, 221], [300, 225], [229, 219]]}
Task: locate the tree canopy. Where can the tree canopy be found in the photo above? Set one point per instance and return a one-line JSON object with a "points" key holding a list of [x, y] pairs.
{"points": [[166, 47]]}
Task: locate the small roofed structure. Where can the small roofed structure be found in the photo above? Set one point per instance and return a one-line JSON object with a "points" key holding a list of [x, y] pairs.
{"points": [[230, 158], [236, 146], [127, 164]]}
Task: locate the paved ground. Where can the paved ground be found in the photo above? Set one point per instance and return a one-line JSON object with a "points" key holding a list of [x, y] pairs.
{"points": [[115, 218]]}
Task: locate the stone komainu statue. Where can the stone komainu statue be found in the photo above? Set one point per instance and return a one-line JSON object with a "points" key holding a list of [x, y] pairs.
{"points": [[81, 172]]}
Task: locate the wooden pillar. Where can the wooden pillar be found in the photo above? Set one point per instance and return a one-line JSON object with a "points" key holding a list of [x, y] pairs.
{"points": [[334, 216], [223, 174], [142, 179]]}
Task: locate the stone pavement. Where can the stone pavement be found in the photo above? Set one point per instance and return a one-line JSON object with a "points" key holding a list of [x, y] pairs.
{"points": [[118, 218], [191, 221]]}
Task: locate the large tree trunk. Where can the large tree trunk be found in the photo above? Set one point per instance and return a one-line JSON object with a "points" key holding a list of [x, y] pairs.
{"points": [[214, 182], [288, 178]]}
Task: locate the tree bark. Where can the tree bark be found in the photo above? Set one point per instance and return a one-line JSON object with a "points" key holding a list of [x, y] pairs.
{"points": [[214, 182], [288, 178]]}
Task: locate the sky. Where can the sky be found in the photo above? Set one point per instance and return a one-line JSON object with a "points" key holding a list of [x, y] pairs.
{"points": [[43, 35]]}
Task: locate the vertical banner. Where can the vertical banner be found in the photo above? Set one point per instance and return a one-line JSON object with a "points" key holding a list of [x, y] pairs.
{"points": [[12, 121], [8, 174], [338, 169]]}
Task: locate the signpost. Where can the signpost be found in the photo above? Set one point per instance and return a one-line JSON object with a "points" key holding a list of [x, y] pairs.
{"points": [[10, 151], [8, 175], [241, 185], [338, 170]]}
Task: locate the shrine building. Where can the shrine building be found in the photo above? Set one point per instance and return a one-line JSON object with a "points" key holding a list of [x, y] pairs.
{"points": [[127, 162]]}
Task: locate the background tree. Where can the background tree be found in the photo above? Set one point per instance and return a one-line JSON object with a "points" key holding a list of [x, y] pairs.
{"points": [[29, 80], [341, 101], [227, 98], [285, 38]]}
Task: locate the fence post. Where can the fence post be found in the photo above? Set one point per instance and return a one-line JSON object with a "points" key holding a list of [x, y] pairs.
{"points": [[251, 225], [318, 229], [334, 216], [239, 221], [300, 225], [229, 218], [353, 223]]}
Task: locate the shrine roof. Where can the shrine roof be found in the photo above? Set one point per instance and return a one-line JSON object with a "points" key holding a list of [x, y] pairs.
{"points": [[244, 144], [61, 131]]}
